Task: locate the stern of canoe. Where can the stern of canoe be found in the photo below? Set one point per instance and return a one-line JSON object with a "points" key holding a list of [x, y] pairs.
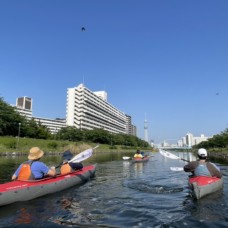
{"points": [[202, 186]]}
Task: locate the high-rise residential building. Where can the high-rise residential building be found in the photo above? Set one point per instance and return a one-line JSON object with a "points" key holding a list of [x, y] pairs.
{"points": [[53, 125], [189, 139], [130, 129], [134, 130], [193, 140], [24, 107], [24, 103], [200, 139], [84, 110], [90, 110]]}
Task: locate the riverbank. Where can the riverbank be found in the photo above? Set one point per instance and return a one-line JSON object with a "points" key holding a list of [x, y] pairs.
{"points": [[10, 146], [216, 155], [221, 156]]}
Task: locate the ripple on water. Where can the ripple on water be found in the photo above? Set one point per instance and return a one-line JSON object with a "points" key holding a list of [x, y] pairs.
{"points": [[148, 187]]}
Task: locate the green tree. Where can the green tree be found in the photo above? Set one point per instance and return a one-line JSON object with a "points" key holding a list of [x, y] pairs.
{"points": [[9, 119]]}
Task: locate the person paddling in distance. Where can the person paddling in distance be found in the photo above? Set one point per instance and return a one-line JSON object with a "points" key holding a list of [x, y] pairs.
{"points": [[202, 167], [33, 168], [138, 154], [68, 167]]}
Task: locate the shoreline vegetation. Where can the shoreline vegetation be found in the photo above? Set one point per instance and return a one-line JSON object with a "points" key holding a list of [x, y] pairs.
{"points": [[15, 146], [21, 146]]}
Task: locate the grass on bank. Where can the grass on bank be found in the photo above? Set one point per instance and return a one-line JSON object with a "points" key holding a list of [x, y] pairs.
{"points": [[23, 145]]}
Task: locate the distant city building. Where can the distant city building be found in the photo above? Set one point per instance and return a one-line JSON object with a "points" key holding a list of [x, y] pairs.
{"points": [[130, 129], [190, 140], [180, 143], [25, 112], [200, 139], [134, 130], [24, 103], [84, 110], [90, 110], [24, 107], [183, 139], [187, 141], [128, 125], [53, 125]]}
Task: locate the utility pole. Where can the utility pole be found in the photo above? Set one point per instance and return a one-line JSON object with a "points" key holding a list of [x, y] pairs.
{"points": [[18, 136]]}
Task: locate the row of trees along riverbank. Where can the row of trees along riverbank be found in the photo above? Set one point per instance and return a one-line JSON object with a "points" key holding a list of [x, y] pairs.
{"points": [[18, 134]]}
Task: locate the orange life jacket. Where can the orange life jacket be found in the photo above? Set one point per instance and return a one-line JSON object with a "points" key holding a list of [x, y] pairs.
{"points": [[25, 172], [65, 168]]}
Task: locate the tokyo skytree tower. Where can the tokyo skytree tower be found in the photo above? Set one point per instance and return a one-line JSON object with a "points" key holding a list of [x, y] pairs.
{"points": [[146, 131]]}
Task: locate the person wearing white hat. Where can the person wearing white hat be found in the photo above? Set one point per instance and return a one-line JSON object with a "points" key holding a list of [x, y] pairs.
{"points": [[202, 167], [33, 168]]}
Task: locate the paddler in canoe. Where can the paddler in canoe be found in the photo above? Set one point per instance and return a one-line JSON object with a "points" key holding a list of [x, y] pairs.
{"points": [[138, 154], [33, 169], [68, 167], [203, 167]]}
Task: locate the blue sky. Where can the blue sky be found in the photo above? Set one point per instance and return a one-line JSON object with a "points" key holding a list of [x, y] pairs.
{"points": [[166, 60]]}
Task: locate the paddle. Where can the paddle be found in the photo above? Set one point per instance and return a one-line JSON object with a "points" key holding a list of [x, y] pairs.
{"points": [[169, 155], [81, 156], [172, 156], [126, 158], [176, 168]]}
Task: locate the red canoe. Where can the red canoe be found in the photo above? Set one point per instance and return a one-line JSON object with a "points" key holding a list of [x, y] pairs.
{"points": [[145, 159], [16, 191], [202, 185]]}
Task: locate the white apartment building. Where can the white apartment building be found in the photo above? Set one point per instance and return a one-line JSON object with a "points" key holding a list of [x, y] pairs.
{"points": [[200, 139], [88, 110], [24, 107], [53, 125], [191, 140], [84, 110]]}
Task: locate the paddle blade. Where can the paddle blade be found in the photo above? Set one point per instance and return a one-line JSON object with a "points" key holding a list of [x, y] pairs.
{"points": [[82, 156], [126, 158], [168, 155], [176, 168]]}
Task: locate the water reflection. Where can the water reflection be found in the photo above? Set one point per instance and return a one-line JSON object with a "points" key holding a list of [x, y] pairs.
{"points": [[138, 168], [23, 216], [126, 168]]}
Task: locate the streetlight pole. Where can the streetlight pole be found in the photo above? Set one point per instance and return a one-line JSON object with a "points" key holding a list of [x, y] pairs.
{"points": [[18, 137]]}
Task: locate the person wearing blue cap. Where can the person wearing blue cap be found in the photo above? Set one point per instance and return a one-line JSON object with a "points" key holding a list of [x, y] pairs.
{"points": [[68, 167]]}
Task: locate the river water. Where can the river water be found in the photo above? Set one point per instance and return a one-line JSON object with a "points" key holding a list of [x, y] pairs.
{"points": [[122, 194]]}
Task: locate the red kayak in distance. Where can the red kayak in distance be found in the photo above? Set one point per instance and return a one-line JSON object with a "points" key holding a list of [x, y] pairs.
{"points": [[144, 159], [16, 191]]}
